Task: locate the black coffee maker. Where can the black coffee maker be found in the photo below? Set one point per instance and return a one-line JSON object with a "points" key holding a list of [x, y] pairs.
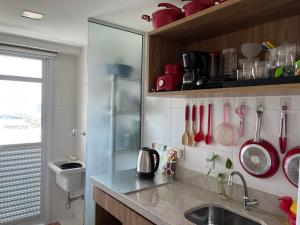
{"points": [[196, 72]]}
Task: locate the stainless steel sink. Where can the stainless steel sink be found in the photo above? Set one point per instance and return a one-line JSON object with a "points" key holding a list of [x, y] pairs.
{"points": [[216, 215]]}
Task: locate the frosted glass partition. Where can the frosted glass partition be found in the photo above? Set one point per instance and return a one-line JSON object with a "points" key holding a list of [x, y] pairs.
{"points": [[114, 103]]}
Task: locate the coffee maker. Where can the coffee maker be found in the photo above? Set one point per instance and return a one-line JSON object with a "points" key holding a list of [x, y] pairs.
{"points": [[196, 73]]}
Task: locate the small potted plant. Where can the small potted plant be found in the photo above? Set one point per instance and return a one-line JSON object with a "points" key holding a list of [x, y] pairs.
{"points": [[223, 190]]}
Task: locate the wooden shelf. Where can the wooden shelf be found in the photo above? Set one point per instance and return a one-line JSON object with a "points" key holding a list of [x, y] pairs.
{"points": [[270, 90], [227, 17], [227, 25]]}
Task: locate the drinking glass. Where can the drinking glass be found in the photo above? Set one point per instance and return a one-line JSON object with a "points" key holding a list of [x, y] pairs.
{"points": [[260, 70], [248, 71]]}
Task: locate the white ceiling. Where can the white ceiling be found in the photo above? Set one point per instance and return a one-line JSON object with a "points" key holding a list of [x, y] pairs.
{"points": [[65, 21]]}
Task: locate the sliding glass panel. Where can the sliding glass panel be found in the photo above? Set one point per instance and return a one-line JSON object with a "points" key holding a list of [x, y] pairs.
{"points": [[114, 103], [20, 66]]}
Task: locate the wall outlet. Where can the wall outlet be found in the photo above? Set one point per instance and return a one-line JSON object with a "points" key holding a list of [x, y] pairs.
{"points": [[180, 153]]}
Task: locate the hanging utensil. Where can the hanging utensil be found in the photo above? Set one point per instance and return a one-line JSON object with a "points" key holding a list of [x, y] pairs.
{"points": [[283, 130], [186, 135], [258, 157], [241, 112], [225, 133], [193, 133], [290, 165], [200, 136], [208, 135]]}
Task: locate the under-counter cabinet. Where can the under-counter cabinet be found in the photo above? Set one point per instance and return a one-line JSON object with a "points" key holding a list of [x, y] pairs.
{"points": [[110, 211]]}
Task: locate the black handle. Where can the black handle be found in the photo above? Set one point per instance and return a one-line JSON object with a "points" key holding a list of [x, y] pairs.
{"points": [[155, 167]]}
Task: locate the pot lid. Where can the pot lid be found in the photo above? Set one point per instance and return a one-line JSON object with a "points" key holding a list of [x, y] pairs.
{"points": [[255, 159], [291, 167]]}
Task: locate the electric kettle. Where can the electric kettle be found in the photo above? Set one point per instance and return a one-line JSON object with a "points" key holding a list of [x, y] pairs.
{"points": [[147, 163]]}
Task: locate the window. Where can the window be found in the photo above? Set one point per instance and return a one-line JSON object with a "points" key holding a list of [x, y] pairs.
{"points": [[20, 138], [20, 66], [20, 112]]}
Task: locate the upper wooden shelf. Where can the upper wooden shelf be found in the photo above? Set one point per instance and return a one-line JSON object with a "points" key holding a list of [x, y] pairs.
{"points": [[227, 17], [270, 90]]}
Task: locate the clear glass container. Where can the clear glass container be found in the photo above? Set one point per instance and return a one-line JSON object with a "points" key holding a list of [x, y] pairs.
{"points": [[223, 188], [260, 70], [229, 59], [248, 68]]}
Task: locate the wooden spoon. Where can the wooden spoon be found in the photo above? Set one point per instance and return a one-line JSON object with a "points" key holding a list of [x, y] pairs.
{"points": [[193, 133], [186, 135]]}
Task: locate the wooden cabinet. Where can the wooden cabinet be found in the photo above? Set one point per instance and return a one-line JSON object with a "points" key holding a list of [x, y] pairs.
{"points": [[110, 211], [223, 26]]}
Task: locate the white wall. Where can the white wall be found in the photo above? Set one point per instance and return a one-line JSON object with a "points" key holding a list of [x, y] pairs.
{"points": [[164, 123], [65, 110]]}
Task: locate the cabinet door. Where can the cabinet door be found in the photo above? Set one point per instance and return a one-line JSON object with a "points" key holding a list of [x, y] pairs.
{"points": [[130, 217], [111, 211]]}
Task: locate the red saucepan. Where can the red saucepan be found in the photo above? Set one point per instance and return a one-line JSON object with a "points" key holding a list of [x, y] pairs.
{"points": [[164, 16], [196, 6], [258, 157], [290, 166]]}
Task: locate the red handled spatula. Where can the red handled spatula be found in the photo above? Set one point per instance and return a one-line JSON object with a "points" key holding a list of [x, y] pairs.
{"points": [[200, 136]]}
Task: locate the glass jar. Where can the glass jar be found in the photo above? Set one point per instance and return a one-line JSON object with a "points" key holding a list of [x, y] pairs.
{"points": [[223, 188], [229, 59], [271, 58], [259, 70], [215, 67]]}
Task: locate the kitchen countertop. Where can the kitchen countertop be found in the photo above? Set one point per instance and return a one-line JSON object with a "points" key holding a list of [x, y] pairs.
{"points": [[166, 204], [127, 181]]}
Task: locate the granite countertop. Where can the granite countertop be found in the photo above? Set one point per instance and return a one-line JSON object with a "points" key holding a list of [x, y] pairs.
{"points": [[127, 181], [166, 204]]}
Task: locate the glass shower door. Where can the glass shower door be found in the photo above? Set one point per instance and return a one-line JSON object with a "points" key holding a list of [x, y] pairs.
{"points": [[114, 102]]}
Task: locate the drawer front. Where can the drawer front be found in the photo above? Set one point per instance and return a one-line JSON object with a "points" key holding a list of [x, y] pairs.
{"points": [[120, 211]]}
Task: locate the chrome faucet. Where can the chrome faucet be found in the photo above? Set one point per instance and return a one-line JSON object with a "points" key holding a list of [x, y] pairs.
{"points": [[247, 203]]}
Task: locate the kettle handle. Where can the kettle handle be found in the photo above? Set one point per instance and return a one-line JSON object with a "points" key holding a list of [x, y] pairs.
{"points": [[155, 167]]}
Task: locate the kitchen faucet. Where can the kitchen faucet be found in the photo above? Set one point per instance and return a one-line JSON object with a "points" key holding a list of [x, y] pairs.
{"points": [[247, 203]]}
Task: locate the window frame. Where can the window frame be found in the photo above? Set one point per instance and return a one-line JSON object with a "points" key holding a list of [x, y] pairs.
{"points": [[46, 125]]}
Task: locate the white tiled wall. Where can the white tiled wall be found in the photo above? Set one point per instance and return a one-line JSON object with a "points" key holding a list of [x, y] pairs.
{"points": [[164, 123], [66, 112]]}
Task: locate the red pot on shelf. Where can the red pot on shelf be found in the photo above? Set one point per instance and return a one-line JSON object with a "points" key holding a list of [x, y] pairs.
{"points": [[165, 16], [196, 6]]}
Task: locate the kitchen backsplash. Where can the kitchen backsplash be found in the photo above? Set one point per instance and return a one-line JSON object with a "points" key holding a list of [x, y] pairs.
{"points": [[164, 123]]}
